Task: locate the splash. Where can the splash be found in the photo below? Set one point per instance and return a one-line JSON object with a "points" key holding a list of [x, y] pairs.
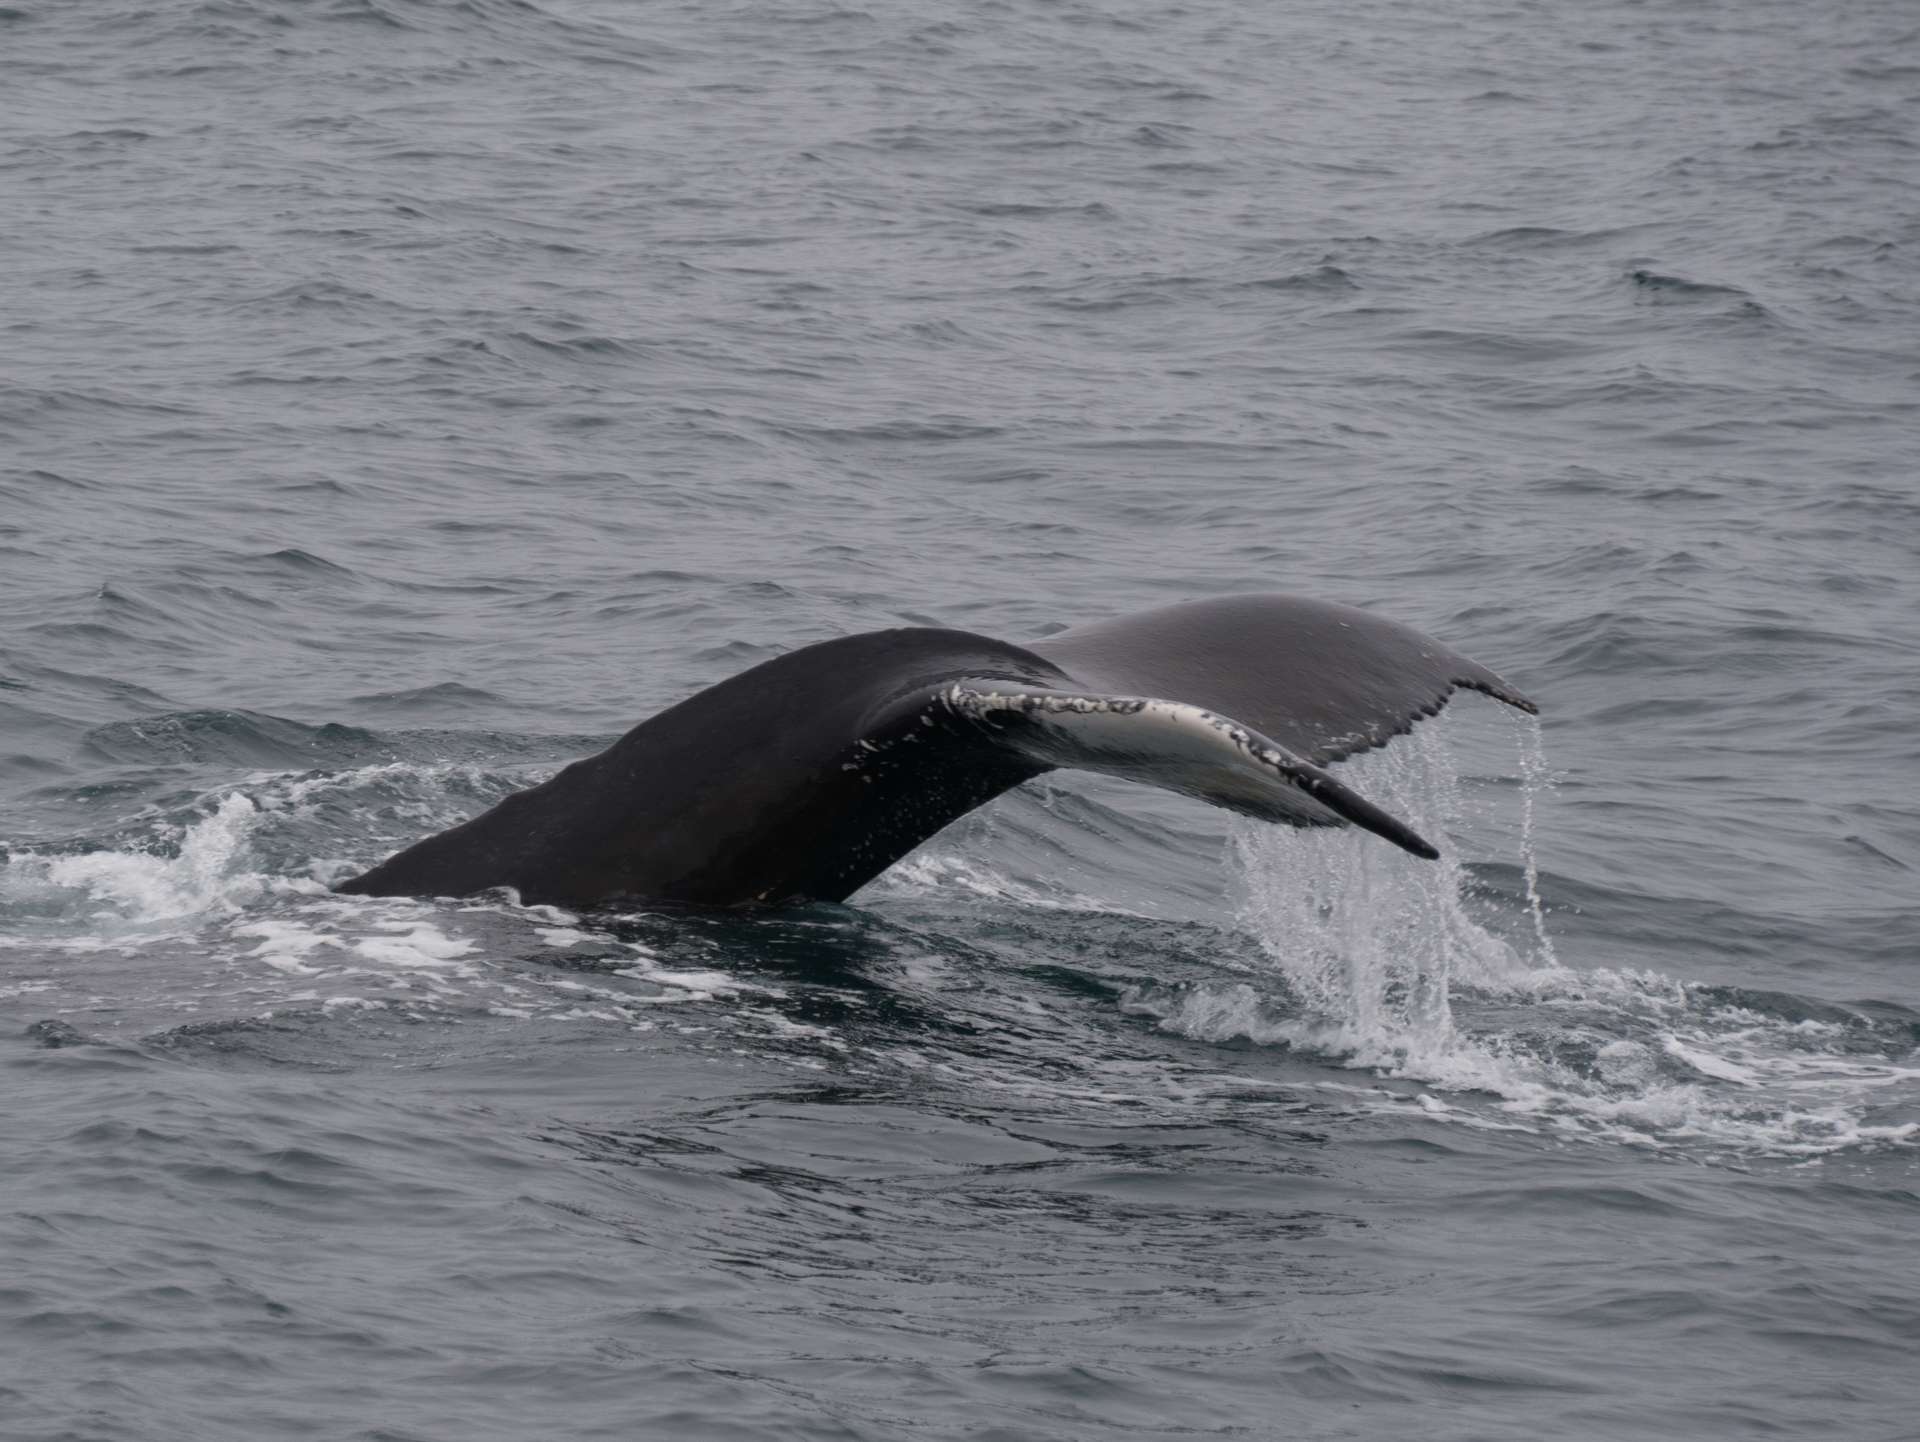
{"points": [[1368, 939], [1374, 961], [1535, 779], [161, 875], [181, 874]]}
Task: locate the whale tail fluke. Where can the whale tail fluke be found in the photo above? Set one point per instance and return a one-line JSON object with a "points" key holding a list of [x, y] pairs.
{"points": [[807, 776]]}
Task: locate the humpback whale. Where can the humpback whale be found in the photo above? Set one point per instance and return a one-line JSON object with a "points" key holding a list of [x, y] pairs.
{"points": [[808, 775]]}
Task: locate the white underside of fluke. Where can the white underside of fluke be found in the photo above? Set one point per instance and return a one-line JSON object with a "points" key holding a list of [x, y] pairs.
{"points": [[1168, 744]]}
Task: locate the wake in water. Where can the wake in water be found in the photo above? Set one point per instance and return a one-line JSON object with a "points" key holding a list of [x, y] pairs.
{"points": [[1439, 978], [1376, 961], [221, 908]]}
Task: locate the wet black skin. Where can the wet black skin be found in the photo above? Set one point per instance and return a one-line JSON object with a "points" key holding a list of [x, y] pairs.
{"points": [[810, 774]]}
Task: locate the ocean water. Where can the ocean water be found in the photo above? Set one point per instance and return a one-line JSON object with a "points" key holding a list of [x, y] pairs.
{"points": [[400, 398]]}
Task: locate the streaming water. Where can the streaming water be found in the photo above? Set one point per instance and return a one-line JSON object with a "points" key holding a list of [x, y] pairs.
{"points": [[401, 398]]}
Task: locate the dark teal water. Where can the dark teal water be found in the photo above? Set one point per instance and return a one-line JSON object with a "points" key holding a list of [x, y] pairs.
{"points": [[399, 399]]}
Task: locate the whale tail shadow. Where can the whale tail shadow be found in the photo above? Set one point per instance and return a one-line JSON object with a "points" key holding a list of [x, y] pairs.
{"points": [[808, 775]]}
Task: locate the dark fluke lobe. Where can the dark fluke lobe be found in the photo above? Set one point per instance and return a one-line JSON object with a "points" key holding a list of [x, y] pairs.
{"points": [[807, 776]]}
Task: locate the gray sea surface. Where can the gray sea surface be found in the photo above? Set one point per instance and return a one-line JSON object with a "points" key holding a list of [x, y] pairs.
{"points": [[400, 398]]}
